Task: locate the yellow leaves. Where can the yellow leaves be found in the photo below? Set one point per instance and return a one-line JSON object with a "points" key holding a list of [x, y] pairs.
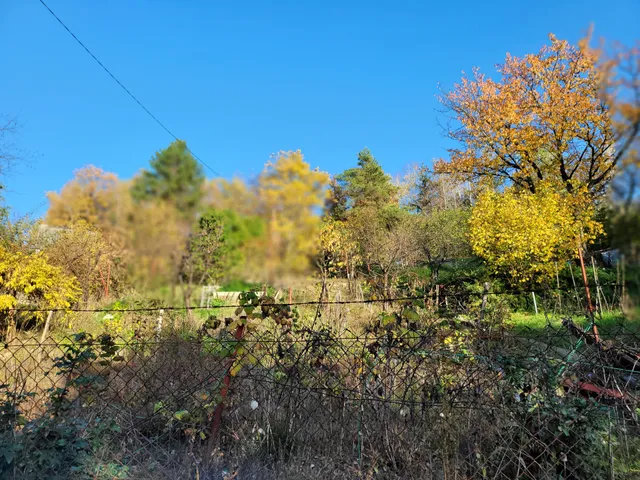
{"points": [[234, 195], [7, 302], [88, 197], [522, 235], [235, 369], [337, 245], [292, 194], [81, 250], [31, 277]]}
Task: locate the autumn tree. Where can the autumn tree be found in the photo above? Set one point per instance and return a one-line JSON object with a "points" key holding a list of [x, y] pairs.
{"points": [[156, 239], [244, 243], [444, 205], [439, 192], [15, 234], [89, 197], [82, 251], [337, 200], [231, 195], [338, 253], [175, 176], [522, 234], [292, 196], [237, 202], [543, 121], [10, 154], [387, 240], [623, 216], [444, 236], [30, 279], [619, 88], [370, 224]]}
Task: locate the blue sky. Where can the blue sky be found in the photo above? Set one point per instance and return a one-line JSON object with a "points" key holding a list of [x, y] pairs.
{"points": [[242, 80]]}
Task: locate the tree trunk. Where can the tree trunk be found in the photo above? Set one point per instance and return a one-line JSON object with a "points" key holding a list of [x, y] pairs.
{"points": [[386, 287]]}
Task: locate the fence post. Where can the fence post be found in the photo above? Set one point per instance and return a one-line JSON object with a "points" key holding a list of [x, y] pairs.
{"points": [[45, 332], [159, 325], [623, 288], [217, 414], [588, 294], [535, 304], [598, 289], [575, 287], [483, 306], [558, 286]]}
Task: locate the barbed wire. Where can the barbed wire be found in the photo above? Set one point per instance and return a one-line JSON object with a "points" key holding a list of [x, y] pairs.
{"points": [[426, 296]]}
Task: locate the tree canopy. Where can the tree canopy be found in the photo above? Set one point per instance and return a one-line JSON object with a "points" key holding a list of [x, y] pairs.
{"points": [[543, 121], [522, 234], [175, 176], [292, 195], [89, 197], [367, 184]]}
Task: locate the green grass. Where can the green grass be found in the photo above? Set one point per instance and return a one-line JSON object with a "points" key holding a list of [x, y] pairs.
{"points": [[610, 323]]}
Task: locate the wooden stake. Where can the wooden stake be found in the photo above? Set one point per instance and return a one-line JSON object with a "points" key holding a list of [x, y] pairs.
{"points": [[217, 414], [575, 287], [45, 332], [588, 293], [485, 294], [558, 285], [599, 293]]}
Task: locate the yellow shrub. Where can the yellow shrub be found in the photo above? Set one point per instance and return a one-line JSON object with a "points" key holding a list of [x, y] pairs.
{"points": [[521, 235]]}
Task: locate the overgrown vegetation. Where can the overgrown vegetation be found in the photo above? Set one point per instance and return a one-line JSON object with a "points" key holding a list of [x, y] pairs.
{"points": [[303, 325]]}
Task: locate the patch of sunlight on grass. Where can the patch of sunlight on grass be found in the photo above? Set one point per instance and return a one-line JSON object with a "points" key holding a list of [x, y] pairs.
{"points": [[610, 323]]}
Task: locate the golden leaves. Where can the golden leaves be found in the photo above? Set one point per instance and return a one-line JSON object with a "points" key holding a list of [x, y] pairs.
{"points": [[292, 195], [32, 277], [543, 121], [89, 197], [522, 235]]}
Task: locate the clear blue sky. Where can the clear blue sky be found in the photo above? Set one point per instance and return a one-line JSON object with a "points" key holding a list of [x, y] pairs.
{"points": [[242, 80]]}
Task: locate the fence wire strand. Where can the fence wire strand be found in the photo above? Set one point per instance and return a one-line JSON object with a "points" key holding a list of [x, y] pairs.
{"points": [[444, 398]]}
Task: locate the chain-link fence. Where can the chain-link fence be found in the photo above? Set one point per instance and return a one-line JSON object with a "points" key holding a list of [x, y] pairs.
{"points": [[407, 398]]}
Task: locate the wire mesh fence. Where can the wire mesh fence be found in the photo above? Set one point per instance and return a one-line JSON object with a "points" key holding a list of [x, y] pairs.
{"points": [[445, 398]]}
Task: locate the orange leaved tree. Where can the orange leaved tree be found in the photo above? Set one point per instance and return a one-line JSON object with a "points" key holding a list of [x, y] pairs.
{"points": [[542, 121]]}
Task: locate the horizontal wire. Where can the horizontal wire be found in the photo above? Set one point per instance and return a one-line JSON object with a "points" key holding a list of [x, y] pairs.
{"points": [[454, 294]]}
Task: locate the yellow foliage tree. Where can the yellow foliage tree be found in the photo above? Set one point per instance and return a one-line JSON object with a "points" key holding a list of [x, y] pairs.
{"points": [[521, 235], [30, 279], [291, 195], [156, 241], [339, 252], [234, 195], [90, 197], [82, 251], [543, 122]]}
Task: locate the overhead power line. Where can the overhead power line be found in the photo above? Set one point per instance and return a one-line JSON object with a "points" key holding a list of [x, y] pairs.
{"points": [[164, 127]]}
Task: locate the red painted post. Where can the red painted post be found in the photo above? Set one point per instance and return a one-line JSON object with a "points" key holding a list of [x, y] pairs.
{"points": [[217, 413]]}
